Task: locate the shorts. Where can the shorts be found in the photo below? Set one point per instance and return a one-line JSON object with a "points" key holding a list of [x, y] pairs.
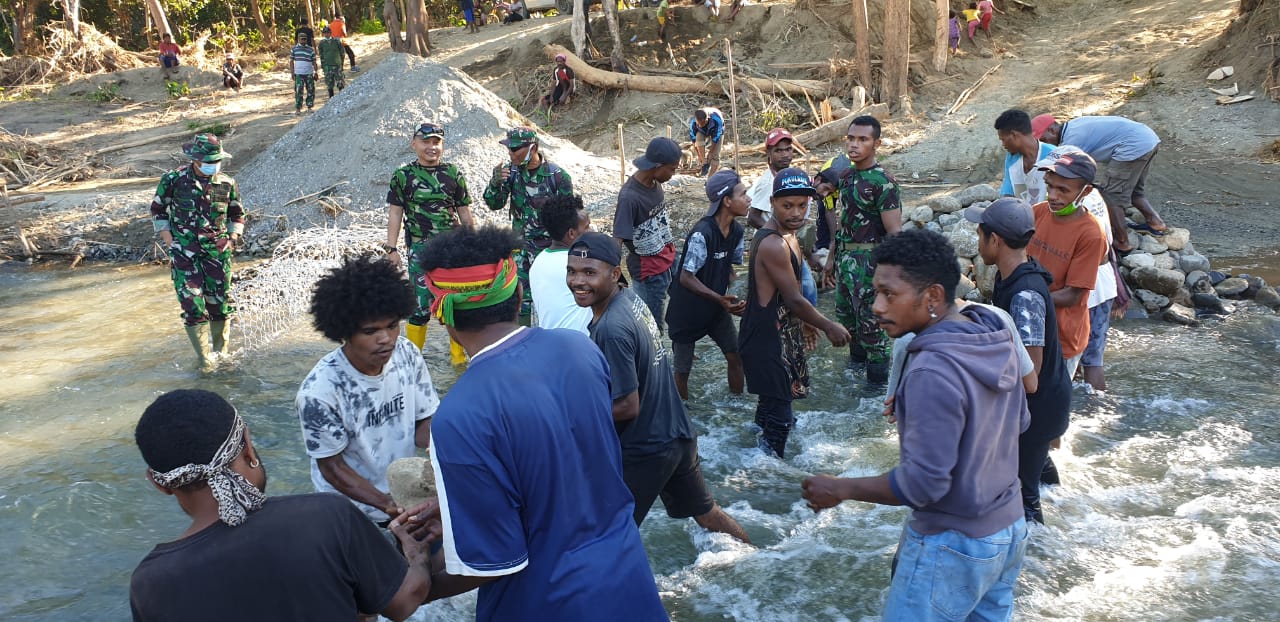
{"points": [[169, 61], [723, 332], [675, 474], [1126, 181], [1099, 322]]}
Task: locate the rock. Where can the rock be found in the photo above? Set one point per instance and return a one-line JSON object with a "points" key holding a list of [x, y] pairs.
{"points": [[1176, 238], [985, 276], [964, 287], [975, 193], [966, 242], [1165, 261], [1210, 302], [1150, 300], [1198, 281], [1135, 312], [1193, 262], [1151, 244], [1182, 297], [1232, 287], [989, 54], [1179, 314], [922, 214], [1255, 283], [965, 264], [945, 204], [947, 221], [1268, 297], [1138, 260], [1163, 282], [1216, 277], [933, 226], [411, 480]]}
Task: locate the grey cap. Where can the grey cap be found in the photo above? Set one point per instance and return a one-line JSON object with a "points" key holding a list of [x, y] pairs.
{"points": [[1007, 217], [720, 185]]}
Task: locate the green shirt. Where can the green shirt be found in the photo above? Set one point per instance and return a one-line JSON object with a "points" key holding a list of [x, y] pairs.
{"points": [[330, 52], [864, 196], [528, 191], [430, 197]]}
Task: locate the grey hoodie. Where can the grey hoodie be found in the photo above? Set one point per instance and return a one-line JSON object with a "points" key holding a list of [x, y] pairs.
{"points": [[960, 408]]}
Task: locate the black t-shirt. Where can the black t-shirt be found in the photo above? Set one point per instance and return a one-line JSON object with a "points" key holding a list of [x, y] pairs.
{"points": [[641, 222], [638, 361], [304, 557]]}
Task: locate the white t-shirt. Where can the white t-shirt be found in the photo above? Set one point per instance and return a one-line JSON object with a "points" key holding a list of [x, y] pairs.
{"points": [[369, 420], [553, 304], [761, 192], [1104, 288]]}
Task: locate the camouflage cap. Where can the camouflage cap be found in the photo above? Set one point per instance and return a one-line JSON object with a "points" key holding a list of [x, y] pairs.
{"points": [[518, 137], [205, 148]]}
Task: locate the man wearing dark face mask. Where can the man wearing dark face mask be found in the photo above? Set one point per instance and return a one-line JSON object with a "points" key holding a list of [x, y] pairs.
{"points": [[198, 215]]}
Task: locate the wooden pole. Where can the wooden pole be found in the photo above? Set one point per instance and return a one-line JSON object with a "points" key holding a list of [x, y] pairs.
{"points": [[622, 157], [668, 130], [733, 103]]}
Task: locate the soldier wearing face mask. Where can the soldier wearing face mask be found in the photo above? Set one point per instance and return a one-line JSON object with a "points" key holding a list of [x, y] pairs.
{"points": [[198, 215]]}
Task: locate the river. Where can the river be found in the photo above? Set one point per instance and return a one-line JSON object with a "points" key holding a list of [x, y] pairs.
{"points": [[1169, 507]]}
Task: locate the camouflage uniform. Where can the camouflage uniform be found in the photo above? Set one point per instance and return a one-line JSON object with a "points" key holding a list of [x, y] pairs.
{"points": [[864, 195], [527, 191], [201, 214], [304, 58], [430, 197], [331, 53]]}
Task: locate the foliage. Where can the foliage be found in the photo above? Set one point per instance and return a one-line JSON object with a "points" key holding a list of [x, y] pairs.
{"points": [[217, 128], [107, 92], [775, 116], [16, 94], [371, 27], [176, 89], [267, 66]]}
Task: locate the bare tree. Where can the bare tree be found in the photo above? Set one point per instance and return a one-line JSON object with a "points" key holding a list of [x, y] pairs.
{"points": [[391, 18], [862, 43], [417, 25], [611, 16], [897, 50], [156, 11], [71, 16], [268, 32], [579, 32], [941, 34]]}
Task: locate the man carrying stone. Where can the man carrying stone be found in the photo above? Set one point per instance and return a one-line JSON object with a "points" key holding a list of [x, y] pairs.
{"points": [[640, 224], [553, 305], [330, 52], [1128, 148], [368, 402], [198, 215], [524, 185], [302, 64], [659, 444], [429, 197], [706, 132], [249, 557], [771, 340], [870, 211], [1070, 244], [960, 408], [700, 306], [534, 508]]}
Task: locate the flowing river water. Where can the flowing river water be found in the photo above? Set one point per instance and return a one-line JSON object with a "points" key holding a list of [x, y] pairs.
{"points": [[1169, 507]]}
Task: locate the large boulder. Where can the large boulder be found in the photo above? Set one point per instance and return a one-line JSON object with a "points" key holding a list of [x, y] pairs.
{"points": [[921, 214], [1163, 282], [1182, 297], [1210, 303], [1138, 260], [975, 193], [1176, 238], [1150, 300], [948, 221], [1165, 261], [1232, 287], [1151, 244], [1268, 297], [964, 241], [1190, 262], [1198, 281], [945, 204], [412, 481], [985, 276], [1255, 283], [1179, 314]]}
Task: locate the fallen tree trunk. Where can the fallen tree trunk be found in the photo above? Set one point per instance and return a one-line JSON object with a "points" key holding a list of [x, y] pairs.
{"points": [[655, 84], [831, 131]]}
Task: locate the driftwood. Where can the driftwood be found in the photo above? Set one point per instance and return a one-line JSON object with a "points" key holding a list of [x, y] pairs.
{"points": [[964, 95], [322, 191], [832, 130], [15, 199], [655, 84]]}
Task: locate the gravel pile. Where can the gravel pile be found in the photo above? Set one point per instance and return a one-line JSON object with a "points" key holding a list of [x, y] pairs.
{"points": [[363, 134]]}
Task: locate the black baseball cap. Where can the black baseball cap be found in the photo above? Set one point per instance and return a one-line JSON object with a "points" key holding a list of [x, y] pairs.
{"points": [[1007, 217], [427, 130], [660, 151], [1070, 165], [596, 245], [790, 182]]}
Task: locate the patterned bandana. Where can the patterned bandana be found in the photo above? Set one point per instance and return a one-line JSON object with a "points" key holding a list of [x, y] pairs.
{"points": [[236, 497], [472, 287]]}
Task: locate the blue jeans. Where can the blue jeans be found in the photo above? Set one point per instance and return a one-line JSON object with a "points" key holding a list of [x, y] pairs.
{"points": [[653, 291], [950, 576], [808, 287]]}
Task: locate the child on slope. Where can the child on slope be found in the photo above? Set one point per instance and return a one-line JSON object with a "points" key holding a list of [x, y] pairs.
{"points": [[971, 17], [954, 25]]}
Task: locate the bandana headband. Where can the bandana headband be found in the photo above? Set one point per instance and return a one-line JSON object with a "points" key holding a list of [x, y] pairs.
{"points": [[236, 497], [472, 287]]}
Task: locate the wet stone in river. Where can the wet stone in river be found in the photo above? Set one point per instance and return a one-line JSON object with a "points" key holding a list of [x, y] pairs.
{"points": [[1150, 300], [1268, 297], [1179, 314], [1163, 282], [1231, 287]]}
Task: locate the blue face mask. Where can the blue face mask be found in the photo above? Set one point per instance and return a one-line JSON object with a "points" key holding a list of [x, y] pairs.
{"points": [[210, 169]]}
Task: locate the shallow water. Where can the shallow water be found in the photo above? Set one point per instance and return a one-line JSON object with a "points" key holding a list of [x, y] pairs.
{"points": [[1169, 507]]}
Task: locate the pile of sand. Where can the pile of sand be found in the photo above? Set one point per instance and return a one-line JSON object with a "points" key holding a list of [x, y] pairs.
{"points": [[363, 133]]}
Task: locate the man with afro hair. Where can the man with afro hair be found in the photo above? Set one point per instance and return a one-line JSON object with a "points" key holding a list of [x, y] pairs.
{"points": [[367, 403]]}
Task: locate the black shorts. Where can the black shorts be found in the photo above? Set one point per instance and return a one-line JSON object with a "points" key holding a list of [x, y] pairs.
{"points": [[674, 473]]}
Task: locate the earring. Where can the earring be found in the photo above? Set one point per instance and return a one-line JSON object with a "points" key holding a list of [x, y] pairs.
{"points": [[255, 463], [932, 315]]}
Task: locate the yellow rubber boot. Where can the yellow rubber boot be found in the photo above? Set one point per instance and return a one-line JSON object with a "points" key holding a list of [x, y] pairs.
{"points": [[199, 336], [457, 356], [416, 334]]}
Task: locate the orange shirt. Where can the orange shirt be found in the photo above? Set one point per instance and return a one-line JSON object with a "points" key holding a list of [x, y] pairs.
{"points": [[1070, 249], [338, 28]]}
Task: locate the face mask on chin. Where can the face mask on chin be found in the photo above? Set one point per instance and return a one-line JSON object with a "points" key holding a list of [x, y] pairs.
{"points": [[1070, 208], [209, 169]]}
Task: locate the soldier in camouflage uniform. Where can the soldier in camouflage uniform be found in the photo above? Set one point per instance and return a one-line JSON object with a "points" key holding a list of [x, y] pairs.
{"points": [[331, 57], [198, 215], [429, 197], [528, 180], [868, 211]]}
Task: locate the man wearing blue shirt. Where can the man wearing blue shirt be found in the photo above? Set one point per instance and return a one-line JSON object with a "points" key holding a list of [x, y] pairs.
{"points": [[1128, 148], [1023, 151], [706, 130], [533, 506]]}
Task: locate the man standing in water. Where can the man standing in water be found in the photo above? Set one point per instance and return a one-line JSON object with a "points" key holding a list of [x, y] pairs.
{"points": [[659, 444], [534, 509], [641, 224], [528, 181], [553, 306], [367, 403], [246, 556], [771, 340], [198, 215], [869, 212], [960, 408], [429, 197]]}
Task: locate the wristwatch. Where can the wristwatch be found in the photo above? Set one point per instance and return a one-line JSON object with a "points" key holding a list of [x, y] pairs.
{"points": [[390, 248]]}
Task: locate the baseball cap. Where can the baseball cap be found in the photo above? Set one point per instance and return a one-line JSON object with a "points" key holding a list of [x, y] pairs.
{"points": [[790, 182], [427, 130], [205, 148], [1070, 165], [1040, 124], [518, 137], [719, 186], [1007, 217], [596, 245], [777, 134], [660, 151], [833, 170]]}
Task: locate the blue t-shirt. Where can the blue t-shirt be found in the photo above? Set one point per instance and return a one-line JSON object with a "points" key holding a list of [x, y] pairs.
{"points": [[529, 473], [713, 130], [1109, 138], [1015, 178]]}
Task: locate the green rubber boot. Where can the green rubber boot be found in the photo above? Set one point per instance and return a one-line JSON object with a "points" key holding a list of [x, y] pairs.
{"points": [[220, 332], [199, 336]]}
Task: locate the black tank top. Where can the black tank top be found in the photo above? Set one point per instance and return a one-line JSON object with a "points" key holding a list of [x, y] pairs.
{"points": [[770, 338]]}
